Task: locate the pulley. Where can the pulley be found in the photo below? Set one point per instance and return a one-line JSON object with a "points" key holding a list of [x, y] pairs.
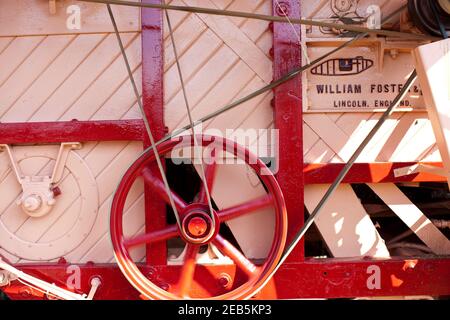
{"points": [[430, 15], [199, 227]]}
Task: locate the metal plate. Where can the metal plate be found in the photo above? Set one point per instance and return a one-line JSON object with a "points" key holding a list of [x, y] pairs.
{"points": [[365, 77], [357, 79]]}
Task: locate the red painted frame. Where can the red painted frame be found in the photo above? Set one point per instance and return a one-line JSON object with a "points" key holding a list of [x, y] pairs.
{"points": [[314, 278], [288, 118], [331, 277], [153, 101]]}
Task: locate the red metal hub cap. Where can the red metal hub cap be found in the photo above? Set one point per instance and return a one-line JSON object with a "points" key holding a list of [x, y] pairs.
{"points": [[197, 227]]}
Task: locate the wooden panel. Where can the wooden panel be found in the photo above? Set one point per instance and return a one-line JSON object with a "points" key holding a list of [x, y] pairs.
{"points": [[344, 224], [223, 59], [403, 137], [406, 136], [55, 78], [68, 77], [433, 70], [106, 161], [33, 17], [413, 217]]}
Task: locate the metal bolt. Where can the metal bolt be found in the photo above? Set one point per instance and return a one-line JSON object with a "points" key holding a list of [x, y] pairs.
{"points": [[32, 203], [56, 191], [394, 53], [164, 286], [342, 5], [283, 8], [224, 280]]}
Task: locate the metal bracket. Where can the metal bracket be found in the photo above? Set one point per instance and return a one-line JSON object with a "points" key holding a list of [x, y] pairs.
{"points": [[420, 167], [15, 274], [95, 284], [38, 197], [6, 278]]}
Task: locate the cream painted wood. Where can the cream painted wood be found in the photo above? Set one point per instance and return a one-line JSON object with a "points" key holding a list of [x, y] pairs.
{"points": [[32, 17], [232, 36], [433, 70], [50, 79], [412, 217], [41, 89], [21, 235], [14, 52], [344, 224], [222, 60], [107, 170], [235, 184], [65, 75], [405, 137], [31, 69]]}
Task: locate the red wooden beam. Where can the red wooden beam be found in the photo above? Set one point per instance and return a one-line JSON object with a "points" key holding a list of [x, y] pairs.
{"points": [[377, 172], [153, 100], [313, 278], [70, 131], [288, 117], [346, 278]]}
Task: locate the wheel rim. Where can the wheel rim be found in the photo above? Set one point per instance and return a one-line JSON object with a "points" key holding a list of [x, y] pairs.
{"points": [[194, 219]]}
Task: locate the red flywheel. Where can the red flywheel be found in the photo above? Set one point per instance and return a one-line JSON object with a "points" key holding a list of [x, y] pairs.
{"points": [[199, 227]]}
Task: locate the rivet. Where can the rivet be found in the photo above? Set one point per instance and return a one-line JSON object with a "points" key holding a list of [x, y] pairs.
{"points": [[224, 280], [282, 8]]}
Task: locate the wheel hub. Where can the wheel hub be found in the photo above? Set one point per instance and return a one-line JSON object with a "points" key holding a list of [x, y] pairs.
{"points": [[197, 227]]}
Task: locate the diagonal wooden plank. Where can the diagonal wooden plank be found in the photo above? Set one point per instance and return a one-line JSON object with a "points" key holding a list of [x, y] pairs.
{"points": [[415, 137], [244, 47], [320, 152], [329, 132], [121, 101], [233, 118], [81, 79], [199, 85], [15, 54], [265, 42], [255, 28], [30, 69], [49, 81], [344, 224], [5, 42], [412, 217], [191, 61], [134, 220], [241, 6], [186, 35], [310, 138], [105, 85]]}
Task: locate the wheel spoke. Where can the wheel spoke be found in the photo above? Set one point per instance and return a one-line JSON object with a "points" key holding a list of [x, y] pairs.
{"points": [[151, 237], [210, 172], [188, 270], [234, 254], [246, 207], [158, 186]]}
